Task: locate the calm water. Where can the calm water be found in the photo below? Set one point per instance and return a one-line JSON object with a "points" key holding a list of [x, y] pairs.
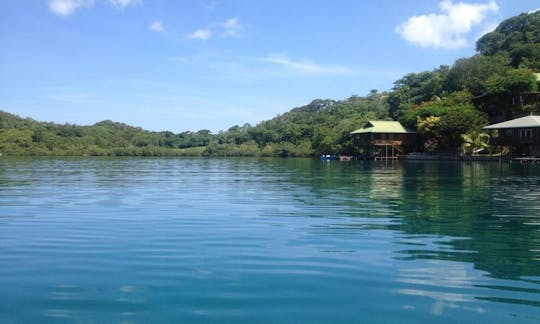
{"points": [[276, 241]]}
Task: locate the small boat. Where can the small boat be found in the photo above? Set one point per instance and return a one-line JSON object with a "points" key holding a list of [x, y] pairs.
{"points": [[328, 157]]}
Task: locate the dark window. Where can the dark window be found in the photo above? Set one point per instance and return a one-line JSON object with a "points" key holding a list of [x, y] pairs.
{"points": [[526, 135]]}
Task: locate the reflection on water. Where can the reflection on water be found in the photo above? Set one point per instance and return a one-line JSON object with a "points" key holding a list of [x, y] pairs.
{"points": [[277, 240], [495, 207]]}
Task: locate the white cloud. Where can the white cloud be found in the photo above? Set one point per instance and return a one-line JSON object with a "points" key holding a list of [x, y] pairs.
{"points": [[533, 11], [449, 28], [210, 6], [247, 69], [68, 7], [157, 26], [121, 4], [229, 28], [200, 34], [305, 67], [232, 27]]}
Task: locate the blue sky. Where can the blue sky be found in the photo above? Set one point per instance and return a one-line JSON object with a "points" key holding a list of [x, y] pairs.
{"points": [[203, 64]]}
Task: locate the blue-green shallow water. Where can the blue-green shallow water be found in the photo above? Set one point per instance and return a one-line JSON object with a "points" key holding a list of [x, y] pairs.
{"points": [[275, 241]]}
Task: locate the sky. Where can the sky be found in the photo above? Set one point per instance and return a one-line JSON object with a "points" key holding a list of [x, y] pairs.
{"points": [[204, 64]]}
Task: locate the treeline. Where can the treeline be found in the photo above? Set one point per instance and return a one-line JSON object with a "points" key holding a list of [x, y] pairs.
{"points": [[321, 126], [446, 106], [28, 137]]}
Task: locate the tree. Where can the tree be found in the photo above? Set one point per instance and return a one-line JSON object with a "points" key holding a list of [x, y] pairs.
{"points": [[474, 142], [15, 141], [517, 37], [429, 129], [325, 141], [416, 88], [513, 81], [459, 120], [526, 56], [470, 74]]}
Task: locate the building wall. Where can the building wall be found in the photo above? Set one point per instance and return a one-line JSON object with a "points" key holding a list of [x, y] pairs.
{"points": [[525, 141], [404, 141], [503, 107], [372, 138], [535, 151], [518, 136]]}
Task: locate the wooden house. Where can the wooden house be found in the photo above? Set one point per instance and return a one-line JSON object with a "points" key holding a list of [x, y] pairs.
{"points": [[521, 134], [385, 139], [501, 107], [504, 106]]}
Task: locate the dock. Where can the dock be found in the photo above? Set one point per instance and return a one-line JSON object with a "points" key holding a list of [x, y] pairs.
{"points": [[388, 157], [527, 160]]}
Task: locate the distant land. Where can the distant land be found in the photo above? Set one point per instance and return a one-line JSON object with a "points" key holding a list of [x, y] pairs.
{"points": [[438, 104]]}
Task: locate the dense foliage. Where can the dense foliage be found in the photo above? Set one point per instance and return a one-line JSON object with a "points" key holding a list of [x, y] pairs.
{"points": [[447, 106], [321, 126], [517, 38], [28, 137]]}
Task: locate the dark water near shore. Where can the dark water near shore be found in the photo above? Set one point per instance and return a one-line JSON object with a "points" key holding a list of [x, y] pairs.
{"points": [[268, 241]]}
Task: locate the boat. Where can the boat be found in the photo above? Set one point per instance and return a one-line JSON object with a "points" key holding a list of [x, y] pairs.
{"points": [[328, 157]]}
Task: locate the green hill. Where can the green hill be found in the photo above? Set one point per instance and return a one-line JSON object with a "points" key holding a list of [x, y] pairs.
{"points": [[20, 136], [321, 126]]}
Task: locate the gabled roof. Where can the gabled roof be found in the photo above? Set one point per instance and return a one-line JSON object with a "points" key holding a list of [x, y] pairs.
{"points": [[529, 121], [382, 126]]}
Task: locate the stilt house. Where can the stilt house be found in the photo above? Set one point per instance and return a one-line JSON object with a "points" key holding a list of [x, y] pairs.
{"points": [[385, 139], [521, 134]]}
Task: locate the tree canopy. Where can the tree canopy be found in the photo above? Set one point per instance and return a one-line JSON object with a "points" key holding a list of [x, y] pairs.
{"points": [[518, 38]]}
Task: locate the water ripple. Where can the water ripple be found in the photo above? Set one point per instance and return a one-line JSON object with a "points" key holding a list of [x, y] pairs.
{"points": [[267, 240]]}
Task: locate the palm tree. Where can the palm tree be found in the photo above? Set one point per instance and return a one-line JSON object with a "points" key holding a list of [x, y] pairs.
{"points": [[474, 142]]}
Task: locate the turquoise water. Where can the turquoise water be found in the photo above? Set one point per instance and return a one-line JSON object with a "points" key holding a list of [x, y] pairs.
{"points": [[268, 241]]}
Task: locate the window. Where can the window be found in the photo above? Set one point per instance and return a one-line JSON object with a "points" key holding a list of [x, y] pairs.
{"points": [[526, 135]]}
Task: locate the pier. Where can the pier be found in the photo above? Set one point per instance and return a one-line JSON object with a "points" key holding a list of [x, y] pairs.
{"points": [[527, 160]]}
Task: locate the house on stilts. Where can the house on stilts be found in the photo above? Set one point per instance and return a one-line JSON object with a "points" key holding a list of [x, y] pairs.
{"points": [[522, 135], [384, 139]]}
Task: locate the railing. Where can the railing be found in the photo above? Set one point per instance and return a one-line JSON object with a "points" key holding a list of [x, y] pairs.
{"points": [[387, 142]]}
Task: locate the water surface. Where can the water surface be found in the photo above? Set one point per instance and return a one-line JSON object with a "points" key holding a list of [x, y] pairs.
{"points": [[268, 240]]}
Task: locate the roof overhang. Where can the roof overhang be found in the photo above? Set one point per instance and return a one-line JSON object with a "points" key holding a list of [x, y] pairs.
{"points": [[382, 127], [523, 122]]}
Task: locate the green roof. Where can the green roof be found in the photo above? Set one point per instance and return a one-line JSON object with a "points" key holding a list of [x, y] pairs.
{"points": [[382, 126], [529, 121]]}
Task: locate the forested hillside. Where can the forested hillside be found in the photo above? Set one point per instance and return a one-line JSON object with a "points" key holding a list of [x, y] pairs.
{"points": [[321, 126], [28, 137], [438, 104]]}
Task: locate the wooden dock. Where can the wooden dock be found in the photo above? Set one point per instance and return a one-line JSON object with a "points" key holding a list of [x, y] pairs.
{"points": [[389, 157], [527, 160]]}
